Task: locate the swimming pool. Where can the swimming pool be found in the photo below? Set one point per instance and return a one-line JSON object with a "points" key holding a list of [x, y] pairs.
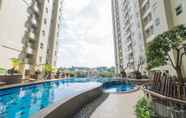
{"points": [[118, 87], [24, 101]]}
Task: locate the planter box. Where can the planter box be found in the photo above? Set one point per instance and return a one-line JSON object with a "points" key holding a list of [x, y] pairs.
{"points": [[11, 79]]}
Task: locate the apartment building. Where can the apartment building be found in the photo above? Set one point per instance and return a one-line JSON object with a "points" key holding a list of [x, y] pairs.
{"points": [[133, 42], [140, 21], [54, 32], [155, 17], [158, 16], [12, 28], [118, 45], [178, 9], [32, 26], [129, 38]]}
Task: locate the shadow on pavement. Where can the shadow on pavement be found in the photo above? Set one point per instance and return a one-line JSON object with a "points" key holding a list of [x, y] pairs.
{"points": [[86, 111]]}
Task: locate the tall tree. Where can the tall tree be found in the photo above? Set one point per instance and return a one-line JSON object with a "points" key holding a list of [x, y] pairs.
{"points": [[158, 50]]}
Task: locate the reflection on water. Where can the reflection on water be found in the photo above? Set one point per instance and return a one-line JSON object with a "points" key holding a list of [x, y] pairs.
{"points": [[25, 101]]}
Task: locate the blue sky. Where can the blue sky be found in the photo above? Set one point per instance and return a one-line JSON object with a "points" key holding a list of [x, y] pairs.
{"points": [[86, 37]]}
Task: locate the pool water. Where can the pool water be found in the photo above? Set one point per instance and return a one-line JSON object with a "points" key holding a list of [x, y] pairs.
{"points": [[118, 87], [23, 102]]}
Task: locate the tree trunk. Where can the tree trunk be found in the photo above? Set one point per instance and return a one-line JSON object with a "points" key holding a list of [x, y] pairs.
{"points": [[179, 74]]}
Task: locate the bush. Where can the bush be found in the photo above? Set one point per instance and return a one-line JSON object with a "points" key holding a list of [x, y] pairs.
{"points": [[2, 71], [143, 109]]}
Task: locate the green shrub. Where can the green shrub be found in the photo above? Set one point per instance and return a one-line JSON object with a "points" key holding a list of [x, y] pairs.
{"points": [[2, 71], [143, 108]]}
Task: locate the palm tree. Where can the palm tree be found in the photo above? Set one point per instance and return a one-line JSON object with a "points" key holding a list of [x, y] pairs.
{"points": [[15, 63], [48, 69]]}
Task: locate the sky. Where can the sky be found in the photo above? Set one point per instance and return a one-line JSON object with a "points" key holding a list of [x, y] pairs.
{"points": [[86, 37]]}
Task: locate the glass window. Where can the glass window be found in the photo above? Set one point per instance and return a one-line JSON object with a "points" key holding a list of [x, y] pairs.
{"points": [[43, 32], [45, 21], [41, 45], [40, 59], [179, 10], [55, 53], [157, 21], [0, 4], [46, 10]]}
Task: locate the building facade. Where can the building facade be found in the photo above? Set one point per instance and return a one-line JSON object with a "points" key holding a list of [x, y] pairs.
{"points": [[154, 17], [32, 32], [118, 47], [140, 21], [178, 9], [12, 29], [53, 41], [131, 41]]}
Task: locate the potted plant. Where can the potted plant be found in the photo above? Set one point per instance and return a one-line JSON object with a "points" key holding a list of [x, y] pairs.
{"points": [[15, 63], [48, 69]]}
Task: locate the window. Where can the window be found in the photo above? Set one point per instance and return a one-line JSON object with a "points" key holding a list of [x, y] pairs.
{"points": [[0, 4], [43, 32], [46, 10], [40, 59], [45, 21], [155, 6], [41, 45], [179, 10], [55, 53], [157, 21], [48, 50]]}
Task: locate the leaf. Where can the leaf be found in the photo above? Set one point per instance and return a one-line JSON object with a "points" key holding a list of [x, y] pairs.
{"points": [[157, 50]]}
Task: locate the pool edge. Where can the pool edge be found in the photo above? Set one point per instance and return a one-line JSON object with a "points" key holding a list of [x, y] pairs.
{"points": [[68, 107]]}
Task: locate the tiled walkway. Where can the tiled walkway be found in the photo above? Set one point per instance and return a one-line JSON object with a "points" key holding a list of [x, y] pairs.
{"points": [[112, 106]]}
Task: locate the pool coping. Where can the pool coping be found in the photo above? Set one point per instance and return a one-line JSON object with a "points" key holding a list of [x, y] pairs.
{"points": [[27, 84], [136, 88], [53, 110]]}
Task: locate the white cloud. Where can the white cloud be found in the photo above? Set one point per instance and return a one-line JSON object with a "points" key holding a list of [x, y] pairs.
{"points": [[86, 34]]}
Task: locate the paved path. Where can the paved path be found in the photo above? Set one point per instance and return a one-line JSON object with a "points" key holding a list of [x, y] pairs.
{"points": [[112, 106]]}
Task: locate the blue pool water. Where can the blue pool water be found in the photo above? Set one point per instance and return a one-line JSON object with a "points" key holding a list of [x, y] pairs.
{"points": [[117, 87], [22, 102]]}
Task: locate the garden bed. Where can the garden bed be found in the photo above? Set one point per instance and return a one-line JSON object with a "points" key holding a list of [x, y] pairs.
{"points": [[10, 79]]}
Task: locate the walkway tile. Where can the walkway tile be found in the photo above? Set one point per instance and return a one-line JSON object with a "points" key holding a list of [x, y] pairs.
{"points": [[118, 106]]}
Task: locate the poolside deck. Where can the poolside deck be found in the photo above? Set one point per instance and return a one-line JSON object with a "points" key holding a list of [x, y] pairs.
{"points": [[112, 106]]}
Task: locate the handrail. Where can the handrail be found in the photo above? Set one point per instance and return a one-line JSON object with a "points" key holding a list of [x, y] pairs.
{"points": [[163, 97]]}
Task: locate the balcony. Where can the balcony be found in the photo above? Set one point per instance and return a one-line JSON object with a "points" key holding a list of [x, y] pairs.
{"points": [[29, 50], [127, 34], [131, 61], [34, 9], [148, 25], [146, 13], [31, 36], [34, 21], [130, 52], [150, 38], [129, 43], [144, 3], [28, 60]]}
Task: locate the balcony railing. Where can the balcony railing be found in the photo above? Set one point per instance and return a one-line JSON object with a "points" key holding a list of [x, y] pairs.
{"points": [[29, 50], [34, 8], [31, 36]]}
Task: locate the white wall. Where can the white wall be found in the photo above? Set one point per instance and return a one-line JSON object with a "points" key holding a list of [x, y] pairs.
{"points": [[13, 15]]}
